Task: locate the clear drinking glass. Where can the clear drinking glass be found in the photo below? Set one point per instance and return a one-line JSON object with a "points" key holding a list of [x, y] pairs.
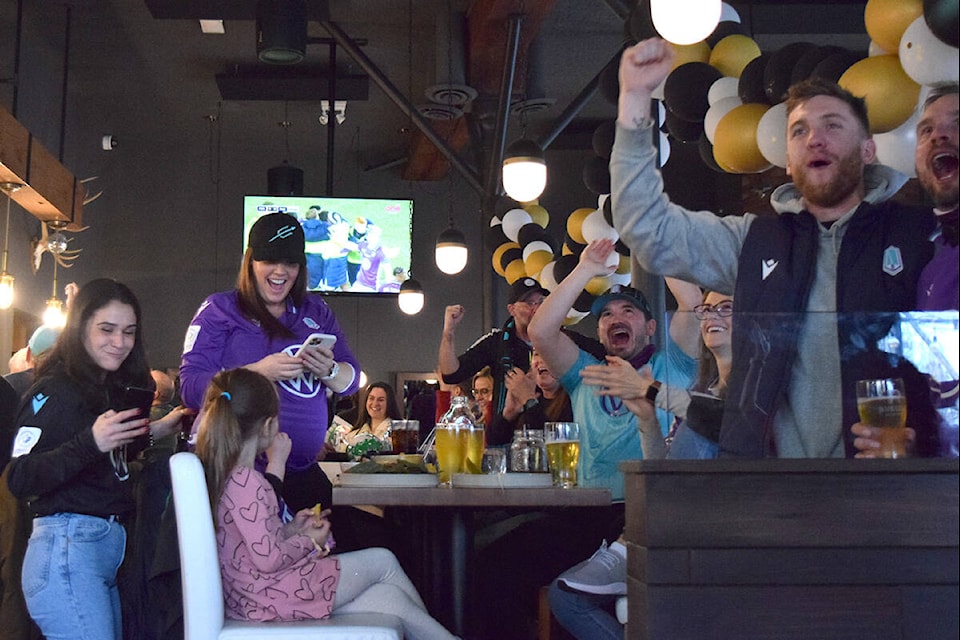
{"points": [[563, 452], [882, 404]]}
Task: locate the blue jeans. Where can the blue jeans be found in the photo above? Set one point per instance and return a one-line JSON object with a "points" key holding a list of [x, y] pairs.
{"points": [[689, 445], [70, 576], [586, 616]]}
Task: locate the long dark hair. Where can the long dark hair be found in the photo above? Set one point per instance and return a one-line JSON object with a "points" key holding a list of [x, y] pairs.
{"points": [[252, 305], [393, 409], [237, 403], [69, 355]]}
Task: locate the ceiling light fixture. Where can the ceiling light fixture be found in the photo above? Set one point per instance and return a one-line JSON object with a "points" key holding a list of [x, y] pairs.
{"points": [[451, 251], [212, 26], [53, 315], [685, 21], [281, 31], [524, 170], [6, 280], [410, 298], [285, 179]]}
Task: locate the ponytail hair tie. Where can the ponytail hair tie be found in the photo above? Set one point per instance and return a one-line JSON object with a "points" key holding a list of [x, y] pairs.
{"points": [[226, 394]]}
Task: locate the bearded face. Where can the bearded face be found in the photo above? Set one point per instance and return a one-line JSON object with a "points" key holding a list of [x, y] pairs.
{"points": [[937, 155]]}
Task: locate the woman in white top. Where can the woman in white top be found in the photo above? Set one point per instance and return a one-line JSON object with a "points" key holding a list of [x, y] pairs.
{"points": [[378, 408]]}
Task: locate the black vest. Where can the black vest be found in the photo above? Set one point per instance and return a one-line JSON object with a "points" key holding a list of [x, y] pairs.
{"points": [[765, 344]]}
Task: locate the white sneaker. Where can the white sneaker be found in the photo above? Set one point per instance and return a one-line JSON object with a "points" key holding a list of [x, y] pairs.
{"points": [[604, 573]]}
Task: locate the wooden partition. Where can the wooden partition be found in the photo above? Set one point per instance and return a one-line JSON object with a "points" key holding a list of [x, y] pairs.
{"points": [[783, 549]]}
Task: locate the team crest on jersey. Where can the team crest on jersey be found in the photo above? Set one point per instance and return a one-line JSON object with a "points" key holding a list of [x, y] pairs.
{"points": [[612, 406], [38, 401], [892, 261], [26, 440], [310, 322], [306, 385]]}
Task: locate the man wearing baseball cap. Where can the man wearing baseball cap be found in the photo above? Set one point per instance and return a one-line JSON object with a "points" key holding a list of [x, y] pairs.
{"points": [[38, 345], [501, 349]]}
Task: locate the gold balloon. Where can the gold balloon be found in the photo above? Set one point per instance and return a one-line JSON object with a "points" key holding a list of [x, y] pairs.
{"points": [[696, 52], [536, 261], [498, 255], [624, 266], [890, 93], [514, 271], [733, 53], [538, 213], [886, 20], [575, 224], [735, 141], [598, 285]]}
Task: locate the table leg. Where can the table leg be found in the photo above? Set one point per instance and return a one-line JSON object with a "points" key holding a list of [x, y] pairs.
{"points": [[450, 538]]}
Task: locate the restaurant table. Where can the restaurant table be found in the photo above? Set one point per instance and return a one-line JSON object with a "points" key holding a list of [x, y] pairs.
{"points": [[447, 515]]}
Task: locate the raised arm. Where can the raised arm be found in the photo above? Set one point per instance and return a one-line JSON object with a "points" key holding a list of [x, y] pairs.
{"points": [[684, 327], [447, 361], [559, 351]]}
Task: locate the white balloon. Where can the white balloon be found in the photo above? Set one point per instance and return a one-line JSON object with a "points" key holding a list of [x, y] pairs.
{"points": [[513, 220], [716, 113], [574, 316], [661, 112], [495, 220], [685, 22], [595, 227], [536, 245], [772, 135], [728, 13], [926, 58], [602, 200], [664, 148], [613, 261], [619, 278], [897, 148], [725, 87], [547, 278], [658, 92]]}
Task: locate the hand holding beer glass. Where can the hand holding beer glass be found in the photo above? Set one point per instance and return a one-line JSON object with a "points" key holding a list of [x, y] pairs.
{"points": [[882, 404], [563, 452]]}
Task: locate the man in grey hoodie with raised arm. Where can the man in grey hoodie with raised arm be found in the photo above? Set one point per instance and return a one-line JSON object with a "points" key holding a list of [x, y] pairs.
{"points": [[836, 246]]}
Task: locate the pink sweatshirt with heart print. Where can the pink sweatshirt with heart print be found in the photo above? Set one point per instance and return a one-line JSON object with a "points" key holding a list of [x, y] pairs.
{"points": [[267, 577]]}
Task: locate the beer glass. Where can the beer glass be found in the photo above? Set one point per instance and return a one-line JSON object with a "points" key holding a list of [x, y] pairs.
{"points": [[471, 448], [883, 404], [449, 452], [406, 435], [563, 452]]}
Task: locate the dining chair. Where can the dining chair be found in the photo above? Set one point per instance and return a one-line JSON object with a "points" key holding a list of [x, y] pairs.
{"points": [[203, 612]]}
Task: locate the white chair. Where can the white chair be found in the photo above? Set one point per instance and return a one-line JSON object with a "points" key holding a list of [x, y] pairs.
{"points": [[203, 592]]}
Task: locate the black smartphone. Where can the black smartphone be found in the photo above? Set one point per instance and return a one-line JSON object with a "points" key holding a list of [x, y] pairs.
{"points": [[136, 398]]}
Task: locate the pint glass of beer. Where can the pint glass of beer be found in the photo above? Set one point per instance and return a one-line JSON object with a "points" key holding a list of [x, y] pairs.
{"points": [[883, 404], [449, 452], [563, 452]]}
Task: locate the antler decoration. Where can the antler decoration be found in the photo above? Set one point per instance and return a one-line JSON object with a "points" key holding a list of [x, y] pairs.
{"points": [[56, 245]]}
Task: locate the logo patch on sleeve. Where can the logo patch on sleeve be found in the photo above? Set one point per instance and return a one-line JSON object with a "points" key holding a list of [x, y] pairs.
{"points": [[188, 340], [38, 401], [27, 438], [892, 260]]}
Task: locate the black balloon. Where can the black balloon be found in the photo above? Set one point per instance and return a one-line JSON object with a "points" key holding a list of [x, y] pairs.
{"points": [[942, 18], [574, 246], [683, 130], [509, 256], [530, 232], [602, 140], [804, 67], [834, 66], [750, 85], [564, 265], [584, 301], [596, 175], [608, 211], [706, 154], [685, 91], [778, 73], [724, 29], [621, 248], [496, 236]]}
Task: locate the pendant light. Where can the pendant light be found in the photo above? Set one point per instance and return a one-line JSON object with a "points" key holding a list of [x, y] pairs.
{"points": [[6, 279], [451, 252], [410, 297], [53, 314], [281, 31], [524, 170]]}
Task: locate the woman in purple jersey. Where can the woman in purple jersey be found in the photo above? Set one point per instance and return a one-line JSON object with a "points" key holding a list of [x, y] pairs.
{"points": [[261, 325]]}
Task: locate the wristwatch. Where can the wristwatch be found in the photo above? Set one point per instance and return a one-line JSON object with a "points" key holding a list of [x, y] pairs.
{"points": [[652, 391], [530, 404]]}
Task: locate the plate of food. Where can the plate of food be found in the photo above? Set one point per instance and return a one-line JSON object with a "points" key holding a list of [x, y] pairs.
{"points": [[502, 480], [398, 473]]}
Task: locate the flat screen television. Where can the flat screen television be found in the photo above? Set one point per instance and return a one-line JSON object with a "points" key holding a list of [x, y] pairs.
{"points": [[354, 245]]}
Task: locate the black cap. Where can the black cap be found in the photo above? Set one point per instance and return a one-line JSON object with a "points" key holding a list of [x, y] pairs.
{"points": [[277, 237], [523, 286], [622, 292]]}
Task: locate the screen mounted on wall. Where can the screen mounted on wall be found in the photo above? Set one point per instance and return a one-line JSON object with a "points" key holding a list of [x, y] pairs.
{"points": [[353, 245]]}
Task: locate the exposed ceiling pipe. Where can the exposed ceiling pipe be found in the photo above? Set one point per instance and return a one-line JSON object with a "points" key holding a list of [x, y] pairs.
{"points": [[575, 106], [402, 102], [503, 107]]}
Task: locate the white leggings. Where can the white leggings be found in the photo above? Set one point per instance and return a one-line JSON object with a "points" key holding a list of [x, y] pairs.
{"points": [[371, 580]]}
